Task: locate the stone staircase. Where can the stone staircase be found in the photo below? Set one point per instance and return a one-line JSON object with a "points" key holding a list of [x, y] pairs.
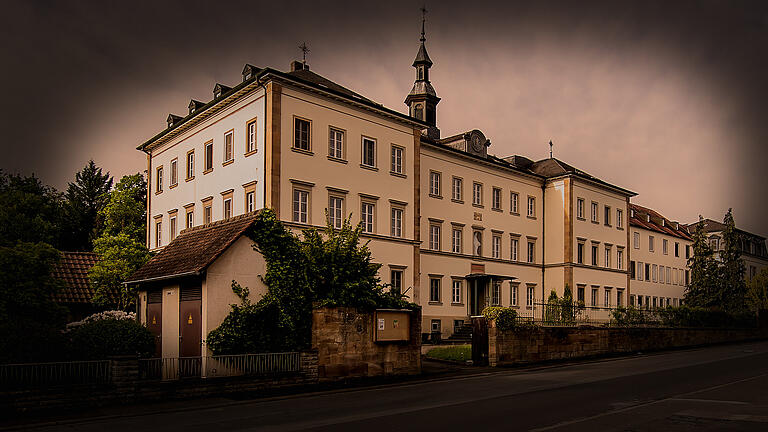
{"points": [[462, 335]]}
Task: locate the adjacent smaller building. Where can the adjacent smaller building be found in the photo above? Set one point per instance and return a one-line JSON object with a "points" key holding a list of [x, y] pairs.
{"points": [[185, 291], [76, 293], [659, 251], [753, 250]]}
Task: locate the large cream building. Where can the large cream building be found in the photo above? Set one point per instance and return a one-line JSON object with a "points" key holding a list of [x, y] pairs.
{"points": [[754, 253], [454, 227]]}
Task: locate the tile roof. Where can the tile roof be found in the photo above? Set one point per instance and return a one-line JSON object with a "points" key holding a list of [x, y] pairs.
{"points": [[72, 269], [639, 220], [194, 249]]}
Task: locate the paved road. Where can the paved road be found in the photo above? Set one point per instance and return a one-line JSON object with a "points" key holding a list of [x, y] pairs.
{"points": [[712, 389]]}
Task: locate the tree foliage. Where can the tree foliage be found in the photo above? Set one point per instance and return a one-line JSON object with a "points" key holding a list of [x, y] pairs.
{"points": [[757, 291], [732, 288], [701, 290], [85, 198], [322, 268], [121, 246], [100, 339], [30, 211]]}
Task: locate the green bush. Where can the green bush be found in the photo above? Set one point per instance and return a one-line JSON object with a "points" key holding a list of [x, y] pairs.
{"points": [[688, 316], [505, 318], [98, 340], [629, 317]]}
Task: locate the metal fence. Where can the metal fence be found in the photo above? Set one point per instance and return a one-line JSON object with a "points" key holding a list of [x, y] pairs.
{"points": [[219, 366], [24, 375]]}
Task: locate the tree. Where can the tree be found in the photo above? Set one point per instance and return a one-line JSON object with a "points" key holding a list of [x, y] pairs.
{"points": [[30, 320], [757, 291], [29, 211], [731, 289], [85, 198], [121, 245], [703, 269]]}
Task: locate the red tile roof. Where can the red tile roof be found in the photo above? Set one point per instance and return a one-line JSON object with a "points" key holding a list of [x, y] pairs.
{"points": [[72, 269], [194, 249], [655, 224]]}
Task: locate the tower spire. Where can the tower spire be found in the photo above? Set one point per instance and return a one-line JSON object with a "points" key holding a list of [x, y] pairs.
{"points": [[422, 100]]}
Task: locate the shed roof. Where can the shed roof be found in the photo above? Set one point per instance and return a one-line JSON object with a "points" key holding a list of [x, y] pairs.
{"points": [[72, 269]]}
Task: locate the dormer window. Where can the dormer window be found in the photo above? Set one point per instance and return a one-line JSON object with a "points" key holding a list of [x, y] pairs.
{"points": [[219, 90]]}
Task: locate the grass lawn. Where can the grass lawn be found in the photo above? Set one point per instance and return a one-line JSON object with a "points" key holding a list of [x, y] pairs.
{"points": [[459, 353]]}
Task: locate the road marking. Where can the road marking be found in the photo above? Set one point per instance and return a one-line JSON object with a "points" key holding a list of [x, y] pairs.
{"points": [[725, 402], [622, 410]]}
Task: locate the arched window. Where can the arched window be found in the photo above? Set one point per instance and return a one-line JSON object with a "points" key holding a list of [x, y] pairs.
{"points": [[421, 72], [418, 111]]}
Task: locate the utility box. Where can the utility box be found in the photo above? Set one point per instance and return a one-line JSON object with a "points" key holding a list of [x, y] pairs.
{"points": [[392, 325]]}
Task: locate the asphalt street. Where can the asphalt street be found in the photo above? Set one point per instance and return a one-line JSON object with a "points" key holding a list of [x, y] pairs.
{"points": [[722, 388]]}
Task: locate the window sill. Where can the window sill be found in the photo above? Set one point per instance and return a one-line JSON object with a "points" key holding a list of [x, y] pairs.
{"points": [[397, 174], [457, 201], [457, 304], [335, 159], [253, 152], [225, 163], [435, 303], [478, 205], [435, 196], [531, 217], [158, 192], [302, 151], [173, 186], [209, 170], [514, 213], [581, 218], [497, 209], [608, 225], [620, 228], [189, 179], [596, 222], [368, 167]]}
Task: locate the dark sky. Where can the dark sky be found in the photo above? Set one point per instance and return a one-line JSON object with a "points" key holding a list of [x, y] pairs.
{"points": [[663, 98]]}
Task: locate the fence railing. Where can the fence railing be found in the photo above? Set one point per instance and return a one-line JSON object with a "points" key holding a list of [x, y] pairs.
{"points": [[24, 375], [219, 366]]}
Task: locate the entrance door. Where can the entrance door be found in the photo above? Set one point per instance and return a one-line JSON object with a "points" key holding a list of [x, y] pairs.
{"points": [[155, 319], [190, 331], [476, 296]]}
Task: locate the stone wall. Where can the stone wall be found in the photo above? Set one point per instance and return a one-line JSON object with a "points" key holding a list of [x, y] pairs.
{"points": [[344, 340], [559, 343]]}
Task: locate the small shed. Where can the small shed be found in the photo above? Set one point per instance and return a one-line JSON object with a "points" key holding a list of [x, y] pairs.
{"points": [[76, 293]]}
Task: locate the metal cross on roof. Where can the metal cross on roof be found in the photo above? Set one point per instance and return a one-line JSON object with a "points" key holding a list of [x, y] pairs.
{"points": [[304, 49], [423, 19]]}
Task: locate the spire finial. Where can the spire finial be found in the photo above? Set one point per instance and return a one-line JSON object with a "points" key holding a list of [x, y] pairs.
{"points": [[423, 19], [304, 50], [550, 149]]}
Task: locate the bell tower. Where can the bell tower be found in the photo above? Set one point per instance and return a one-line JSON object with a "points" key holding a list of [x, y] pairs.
{"points": [[422, 100]]}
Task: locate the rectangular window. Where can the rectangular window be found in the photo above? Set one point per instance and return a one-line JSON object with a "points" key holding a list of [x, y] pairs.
{"points": [[396, 280], [515, 247], [496, 201], [580, 208], [650, 243], [647, 272], [580, 252], [435, 325], [607, 257], [368, 213], [607, 216], [594, 296], [530, 295], [594, 255], [595, 216], [191, 165], [669, 276], [655, 273], [458, 189], [158, 233], [619, 218], [336, 143], [396, 160], [249, 201], [190, 218], [496, 246], [620, 259], [619, 298], [513, 295], [159, 179], [665, 246], [456, 245], [172, 226], [250, 137], [174, 172], [302, 133], [336, 211], [434, 237], [687, 251], [228, 146], [208, 156], [434, 183], [632, 270], [531, 251], [456, 291], [531, 206], [207, 213], [300, 206], [677, 250], [396, 225], [581, 294], [434, 290], [636, 240], [514, 202], [477, 194], [607, 300], [369, 152], [227, 208], [496, 293]]}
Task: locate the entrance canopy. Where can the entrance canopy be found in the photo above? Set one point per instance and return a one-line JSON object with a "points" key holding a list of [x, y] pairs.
{"points": [[488, 276]]}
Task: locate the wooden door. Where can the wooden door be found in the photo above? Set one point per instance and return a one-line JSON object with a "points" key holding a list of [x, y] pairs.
{"points": [[155, 319], [191, 329]]}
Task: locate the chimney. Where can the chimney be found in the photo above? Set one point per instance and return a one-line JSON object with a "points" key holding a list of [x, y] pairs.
{"points": [[297, 66]]}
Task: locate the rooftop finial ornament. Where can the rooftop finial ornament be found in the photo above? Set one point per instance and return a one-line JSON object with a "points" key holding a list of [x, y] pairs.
{"points": [[304, 50], [423, 20], [550, 149]]}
